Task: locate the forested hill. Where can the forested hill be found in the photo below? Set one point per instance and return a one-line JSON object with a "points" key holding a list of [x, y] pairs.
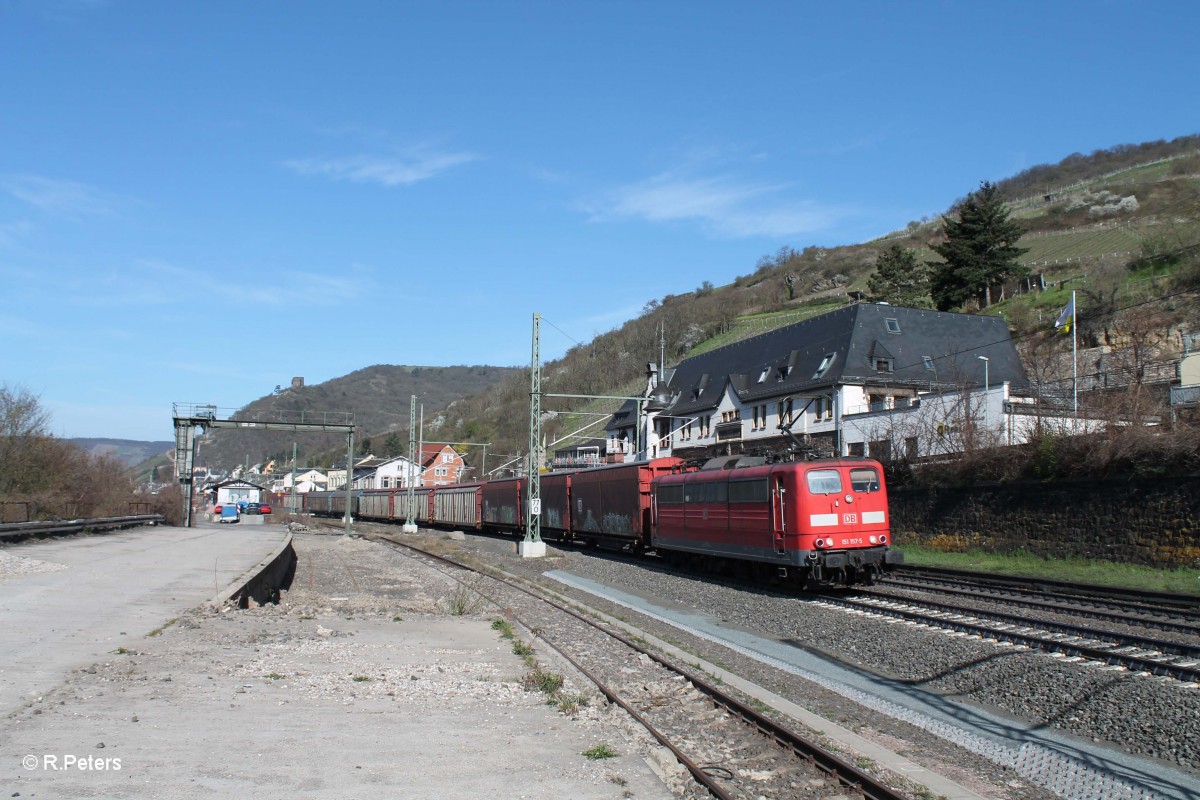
{"points": [[129, 451], [1120, 225], [378, 396]]}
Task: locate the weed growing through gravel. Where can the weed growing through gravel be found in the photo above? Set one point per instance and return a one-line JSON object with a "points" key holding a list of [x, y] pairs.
{"points": [[600, 751], [465, 599], [397, 618], [571, 703], [157, 631], [538, 678], [275, 676], [550, 683], [361, 678], [121, 651]]}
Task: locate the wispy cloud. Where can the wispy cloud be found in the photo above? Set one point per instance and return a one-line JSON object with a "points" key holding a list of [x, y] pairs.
{"points": [[59, 197], [402, 169], [725, 206], [10, 232]]}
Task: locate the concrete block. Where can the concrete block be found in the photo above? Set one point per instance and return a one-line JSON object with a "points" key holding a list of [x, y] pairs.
{"points": [[531, 549]]}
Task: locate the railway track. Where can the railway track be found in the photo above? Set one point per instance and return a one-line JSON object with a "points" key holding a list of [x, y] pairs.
{"points": [[1120, 599], [1116, 611], [729, 748], [1134, 653]]}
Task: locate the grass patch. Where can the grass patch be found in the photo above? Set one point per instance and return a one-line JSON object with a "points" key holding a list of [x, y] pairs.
{"points": [[571, 703], [121, 651], [538, 679], [1078, 570], [275, 676], [600, 751], [465, 599], [360, 678], [158, 631]]}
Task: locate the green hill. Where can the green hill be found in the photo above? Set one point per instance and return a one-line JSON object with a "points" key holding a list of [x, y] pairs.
{"points": [[1083, 230]]}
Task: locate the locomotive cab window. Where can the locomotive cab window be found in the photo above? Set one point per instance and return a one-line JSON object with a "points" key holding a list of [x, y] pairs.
{"points": [[824, 481], [864, 479]]}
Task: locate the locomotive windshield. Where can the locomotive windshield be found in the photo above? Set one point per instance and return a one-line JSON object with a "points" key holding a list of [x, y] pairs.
{"points": [[864, 479], [824, 481]]}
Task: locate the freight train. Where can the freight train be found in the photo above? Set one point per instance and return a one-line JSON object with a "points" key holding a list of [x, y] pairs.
{"points": [[815, 523]]}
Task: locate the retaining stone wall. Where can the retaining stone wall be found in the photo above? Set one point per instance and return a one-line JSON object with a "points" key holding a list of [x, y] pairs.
{"points": [[1149, 522]]}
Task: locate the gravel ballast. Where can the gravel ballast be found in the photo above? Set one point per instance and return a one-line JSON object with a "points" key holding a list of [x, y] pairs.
{"points": [[1144, 716]]}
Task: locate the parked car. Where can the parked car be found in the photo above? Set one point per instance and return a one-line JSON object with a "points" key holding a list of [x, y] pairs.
{"points": [[229, 513], [263, 508], [251, 508]]}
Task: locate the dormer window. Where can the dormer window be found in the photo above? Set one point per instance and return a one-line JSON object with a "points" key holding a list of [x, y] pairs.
{"points": [[784, 371], [826, 363], [884, 365]]}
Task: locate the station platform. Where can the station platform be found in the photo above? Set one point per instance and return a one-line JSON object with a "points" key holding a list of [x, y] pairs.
{"points": [[64, 603]]}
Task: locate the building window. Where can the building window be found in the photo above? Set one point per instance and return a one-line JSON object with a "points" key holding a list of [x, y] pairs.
{"points": [[447, 458], [826, 363], [706, 425], [893, 325], [928, 363], [783, 411], [857, 448], [883, 365]]}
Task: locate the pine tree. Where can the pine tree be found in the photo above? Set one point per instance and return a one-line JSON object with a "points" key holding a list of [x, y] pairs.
{"points": [[900, 279], [979, 252]]}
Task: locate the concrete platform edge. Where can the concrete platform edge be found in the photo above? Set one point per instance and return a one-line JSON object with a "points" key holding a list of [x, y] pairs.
{"points": [[262, 581]]}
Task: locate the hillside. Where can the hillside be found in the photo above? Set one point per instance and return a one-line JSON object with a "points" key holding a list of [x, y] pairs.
{"points": [[128, 451], [1121, 226], [378, 396], [1083, 232]]}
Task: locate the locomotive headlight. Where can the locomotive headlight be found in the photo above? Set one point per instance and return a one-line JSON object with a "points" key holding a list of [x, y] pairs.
{"points": [[819, 542], [874, 540], [883, 539]]}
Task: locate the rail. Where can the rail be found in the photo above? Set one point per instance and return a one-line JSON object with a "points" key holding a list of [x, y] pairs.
{"points": [[21, 530]]}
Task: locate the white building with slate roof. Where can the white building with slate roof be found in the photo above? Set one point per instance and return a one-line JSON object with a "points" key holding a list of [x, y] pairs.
{"points": [[868, 379]]}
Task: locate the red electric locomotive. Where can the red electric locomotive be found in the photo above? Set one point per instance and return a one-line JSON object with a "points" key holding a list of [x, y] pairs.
{"points": [[819, 522]]}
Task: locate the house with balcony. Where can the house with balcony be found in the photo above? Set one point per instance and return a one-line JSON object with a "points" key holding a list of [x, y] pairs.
{"points": [[867, 379]]}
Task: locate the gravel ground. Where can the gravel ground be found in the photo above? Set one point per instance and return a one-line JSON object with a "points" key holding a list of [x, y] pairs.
{"points": [[358, 684], [1151, 717], [14, 566]]}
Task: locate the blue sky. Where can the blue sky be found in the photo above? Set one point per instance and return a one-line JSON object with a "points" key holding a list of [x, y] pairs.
{"points": [[200, 200]]}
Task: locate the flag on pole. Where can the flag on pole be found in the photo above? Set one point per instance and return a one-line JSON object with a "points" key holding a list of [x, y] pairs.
{"points": [[1066, 317]]}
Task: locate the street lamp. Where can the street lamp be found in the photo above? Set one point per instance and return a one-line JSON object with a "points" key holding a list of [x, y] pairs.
{"points": [[984, 359]]}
